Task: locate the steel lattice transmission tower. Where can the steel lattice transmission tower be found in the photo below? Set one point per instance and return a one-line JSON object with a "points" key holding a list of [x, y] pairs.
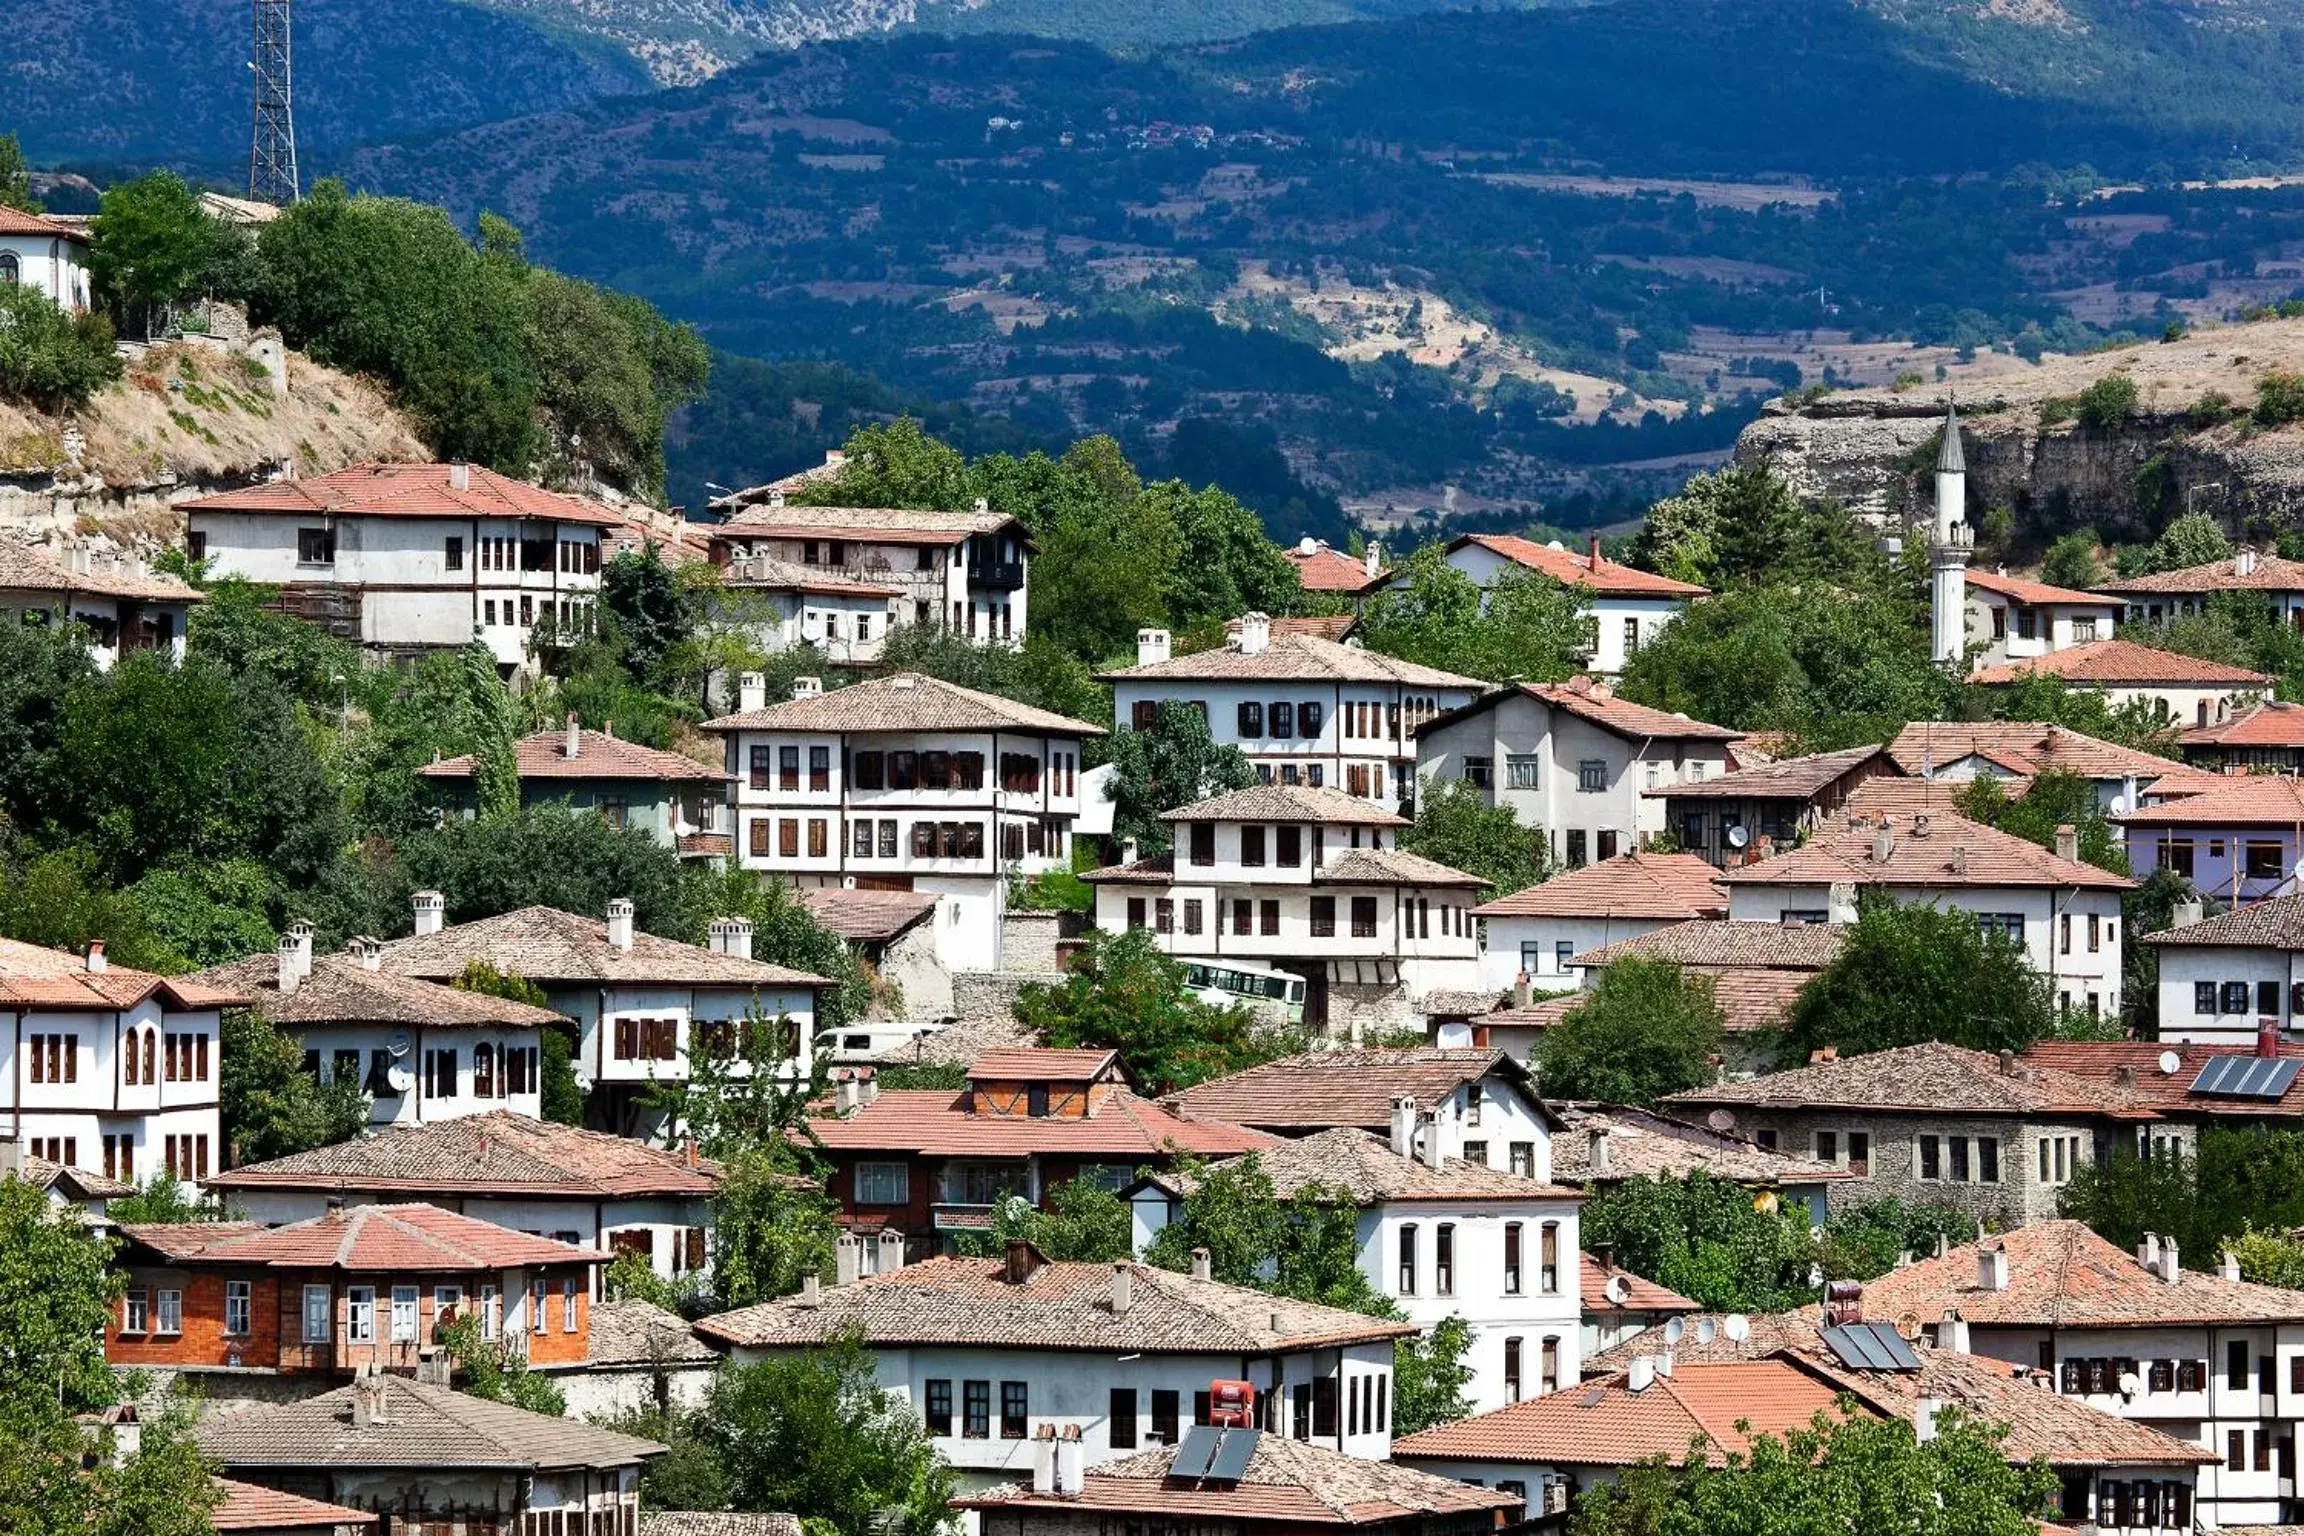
{"points": [[272, 152]]}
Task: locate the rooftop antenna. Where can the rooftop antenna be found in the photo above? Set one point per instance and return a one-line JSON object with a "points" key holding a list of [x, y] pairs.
{"points": [[272, 148]]}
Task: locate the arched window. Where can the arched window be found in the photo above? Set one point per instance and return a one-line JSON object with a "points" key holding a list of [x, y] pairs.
{"points": [[11, 271], [151, 1048]]}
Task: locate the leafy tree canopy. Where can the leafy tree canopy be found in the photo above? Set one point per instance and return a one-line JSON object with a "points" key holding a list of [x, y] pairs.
{"points": [[1525, 627], [1174, 764], [1646, 1030], [2057, 798], [1707, 1239], [48, 358], [1123, 994], [153, 246], [1083, 1221], [271, 1107], [2235, 1180], [1457, 827], [1909, 973]]}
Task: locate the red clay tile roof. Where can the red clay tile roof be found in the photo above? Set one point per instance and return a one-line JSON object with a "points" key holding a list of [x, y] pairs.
{"points": [[497, 1153], [1293, 1483], [544, 755], [2272, 574], [2024, 590], [1294, 656], [936, 1122], [1640, 1295], [1287, 802], [1324, 1089], [2257, 800], [1597, 703], [26, 569], [1645, 1144], [1331, 570], [1603, 576], [2273, 723], [15, 221], [2114, 662], [1605, 1423], [341, 990], [407, 490], [2134, 1065], [1662, 885], [2277, 923], [872, 916], [363, 1238], [1043, 1064], [1364, 1166], [1934, 848], [2028, 749], [247, 1507], [903, 701], [1390, 866], [1784, 778], [1061, 1305], [2062, 1275], [34, 978], [1928, 1078], [547, 945]]}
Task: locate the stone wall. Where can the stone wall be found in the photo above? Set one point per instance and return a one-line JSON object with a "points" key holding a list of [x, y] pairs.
{"points": [[1028, 940], [992, 994]]}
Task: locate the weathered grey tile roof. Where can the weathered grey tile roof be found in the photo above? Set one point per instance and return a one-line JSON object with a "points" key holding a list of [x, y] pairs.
{"points": [[2269, 573], [341, 990], [599, 755], [26, 569], [1293, 656], [1786, 778], [1742, 944], [869, 916], [497, 1153], [1390, 866], [545, 944], [1929, 1078], [1597, 703], [695, 1522], [1933, 847], [1645, 1144], [1320, 1090], [902, 703], [1287, 802], [892, 525], [1365, 1167], [423, 1427], [639, 1333], [1057, 1306]]}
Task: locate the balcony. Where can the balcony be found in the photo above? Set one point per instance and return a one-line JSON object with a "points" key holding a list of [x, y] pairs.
{"points": [[999, 575]]}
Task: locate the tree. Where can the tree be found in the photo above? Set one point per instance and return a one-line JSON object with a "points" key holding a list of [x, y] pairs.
{"points": [[651, 612], [2233, 1182], [1705, 1238], [689, 1475], [1911, 973], [271, 1107], [2192, 539], [1871, 1239], [1525, 627], [48, 358], [2270, 1258], [784, 932], [162, 1201], [1174, 764], [1743, 524], [895, 464], [1083, 1221], [495, 1371], [1430, 1377], [495, 757], [1862, 1473], [1646, 1030], [2057, 798], [152, 245], [811, 1434], [771, 1229], [15, 177], [1123, 994], [551, 856], [1457, 827], [2071, 561], [56, 1296]]}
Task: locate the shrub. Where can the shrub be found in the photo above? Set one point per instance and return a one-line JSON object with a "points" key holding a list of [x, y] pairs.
{"points": [[2212, 409], [49, 358], [2107, 404], [2279, 398], [2056, 410]]}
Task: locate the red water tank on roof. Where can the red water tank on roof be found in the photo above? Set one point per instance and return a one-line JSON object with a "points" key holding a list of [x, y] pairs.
{"points": [[1232, 1404]]}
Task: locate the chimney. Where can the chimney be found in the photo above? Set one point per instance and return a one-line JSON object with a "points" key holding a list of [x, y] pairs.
{"points": [[96, 961], [2186, 913], [11, 1157], [1152, 645], [459, 477], [1991, 1268], [368, 951], [1123, 1287], [2007, 1062], [2068, 843], [2268, 1039], [807, 687], [1255, 636], [846, 1096], [434, 1368], [1435, 1148], [751, 693], [1883, 845], [1374, 566], [1201, 1268], [2171, 1264], [1959, 859], [1924, 1411], [1071, 1460], [431, 912], [847, 1259], [1642, 1376], [1021, 1262], [1128, 851], [575, 747], [867, 1086], [811, 1290], [982, 506], [2244, 561], [1403, 1126], [1594, 549], [1600, 1160], [730, 936], [1840, 904], [1523, 991], [2148, 1251], [620, 923], [1044, 1459], [1279, 1326], [1952, 1333], [890, 1258], [298, 942], [2228, 1267], [290, 975], [368, 1405]]}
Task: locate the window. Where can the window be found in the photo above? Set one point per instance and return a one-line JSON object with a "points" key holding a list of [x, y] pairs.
{"points": [[1444, 1259], [136, 1312], [1288, 846], [1251, 718], [1407, 1285], [819, 837], [1283, 720], [1511, 1370], [1363, 917], [2236, 1450], [2264, 861], [1268, 918], [1577, 842], [239, 1300], [2204, 997], [1521, 772], [1931, 1161], [403, 1314], [1958, 1147], [819, 769], [1120, 1423], [1243, 917], [1476, 1153], [788, 838], [1549, 1381], [1252, 847], [454, 553], [2268, 997], [1860, 1152], [569, 1291], [315, 546], [1512, 1261], [888, 839], [1479, 770], [2236, 1364], [2176, 855], [1143, 715], [1167, 1404], [1202, 839], [1194, 919], [1323, 919], [1523, 1159], [1988, 1160], [2234, 997], [1548, 1258], [537, 1321], [976, 1410], [440, 1073], [1136, 912], [1828, 1146], [1013, 1417], [938, 1413], [316, 1310], [883, 1183], [2191, 1375], [1163, 915], [359, 1314], [1591, 775]]}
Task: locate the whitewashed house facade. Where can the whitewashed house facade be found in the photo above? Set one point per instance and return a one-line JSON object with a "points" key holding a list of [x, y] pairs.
{"points": [[49, 257], [1625, 607], [113, 603], [906, 783], [2228, 980]]}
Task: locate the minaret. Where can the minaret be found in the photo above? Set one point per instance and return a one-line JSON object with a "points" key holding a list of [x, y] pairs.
{"points": [[1951, 542]]}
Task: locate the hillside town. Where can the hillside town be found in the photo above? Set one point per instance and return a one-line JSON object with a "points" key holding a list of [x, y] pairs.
{"points": [[988, 996]]}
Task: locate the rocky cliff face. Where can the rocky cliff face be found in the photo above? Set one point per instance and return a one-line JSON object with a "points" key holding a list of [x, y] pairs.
{"points": [[2186, 444]]}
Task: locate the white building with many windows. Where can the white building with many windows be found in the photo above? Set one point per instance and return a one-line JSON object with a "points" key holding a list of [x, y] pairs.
{"points": [[1441, 1237], [965, 571], [1625, 607], [1308, 881], [2227, 980], [1303, 709], [408, 558], [906, 783], [1575, 761], [109, 1069]]}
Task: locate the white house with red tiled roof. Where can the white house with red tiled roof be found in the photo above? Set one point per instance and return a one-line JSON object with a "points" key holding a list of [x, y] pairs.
{"points": [[115, 603], [48, 257], [109, 1069], [2176, 688], [1312, 883], [1302, 708], [679, 801], [2228, 979], [2269, 735], [2011, 618], [1320, 568], [1627, 608], [2240, 842], [1574, 760], [2015, 752], [409, 558], [2172, 594], [1535, 932]]}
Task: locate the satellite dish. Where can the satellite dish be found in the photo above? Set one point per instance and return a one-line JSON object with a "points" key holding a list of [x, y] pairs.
{"points": [[398, 1044], [1675, 1329], [1737, 1326], [1721, 1120], [399, 1078], [2130, 1384], [1618, 1288], [2169, 1063], [583, 1079], [1706, 1329], [1738, 837]]}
